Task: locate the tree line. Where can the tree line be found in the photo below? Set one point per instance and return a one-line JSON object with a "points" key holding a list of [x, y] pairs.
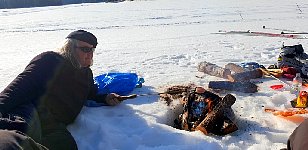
{"points": [[40, 3]]}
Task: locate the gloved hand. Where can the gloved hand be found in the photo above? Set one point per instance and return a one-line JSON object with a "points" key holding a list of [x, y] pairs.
{"points": [[113, 99]]}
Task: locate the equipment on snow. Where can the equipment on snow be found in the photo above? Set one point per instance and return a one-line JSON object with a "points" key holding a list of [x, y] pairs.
{"points": [[300, 101], [275, 72], [290, 114], [296, 84], [239, 73], [234, 68], [293, 36], [292, 31], [250, 33], [245, 76], [267, 72], [292, 56], [244, 86], [286, 31], [304, 69], [213, 69], [119, 83], [289, 70], [250, 65], [286, 112], [276, 87]]}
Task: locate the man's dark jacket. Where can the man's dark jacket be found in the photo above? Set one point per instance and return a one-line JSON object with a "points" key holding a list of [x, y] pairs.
{"points": [[54, 86]]}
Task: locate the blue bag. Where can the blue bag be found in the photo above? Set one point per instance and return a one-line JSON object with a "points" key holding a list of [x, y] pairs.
{"points": [[250, 65], [119, 83]]}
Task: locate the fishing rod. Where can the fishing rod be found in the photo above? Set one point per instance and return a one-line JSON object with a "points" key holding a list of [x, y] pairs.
{"points": [[294, 32], [264, 27], [287, 31], [268, 34]]}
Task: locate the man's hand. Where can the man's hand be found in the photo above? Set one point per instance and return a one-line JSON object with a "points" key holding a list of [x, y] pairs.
{"points": [[113, 99]]}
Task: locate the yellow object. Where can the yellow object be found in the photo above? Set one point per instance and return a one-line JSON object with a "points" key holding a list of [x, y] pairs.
{"points": [[279, 58], [275, 72], [301, 100]]}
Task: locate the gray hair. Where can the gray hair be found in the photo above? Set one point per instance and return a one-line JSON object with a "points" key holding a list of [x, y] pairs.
{"points": [[68, 51]]}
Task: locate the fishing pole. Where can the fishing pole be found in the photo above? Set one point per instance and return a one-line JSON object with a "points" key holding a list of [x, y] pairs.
{"points": [[279, 29]]}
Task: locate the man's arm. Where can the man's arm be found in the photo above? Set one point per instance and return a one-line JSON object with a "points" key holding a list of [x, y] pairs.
{"points": [[29, 85]]}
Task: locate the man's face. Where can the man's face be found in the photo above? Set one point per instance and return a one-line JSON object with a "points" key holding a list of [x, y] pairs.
{"points": [[84, 53]]}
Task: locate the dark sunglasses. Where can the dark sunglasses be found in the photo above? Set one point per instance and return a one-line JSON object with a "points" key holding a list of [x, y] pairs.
{"points": [[86, 49]]}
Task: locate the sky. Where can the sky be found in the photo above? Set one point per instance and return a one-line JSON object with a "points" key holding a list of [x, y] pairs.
{"points": [[163, 41]]}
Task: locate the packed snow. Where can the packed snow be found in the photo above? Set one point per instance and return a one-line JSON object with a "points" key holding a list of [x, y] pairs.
{"points": [[163, 41]]}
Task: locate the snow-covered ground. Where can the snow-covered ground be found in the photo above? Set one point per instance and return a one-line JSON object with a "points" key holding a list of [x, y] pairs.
{"points": [[163, 41]]}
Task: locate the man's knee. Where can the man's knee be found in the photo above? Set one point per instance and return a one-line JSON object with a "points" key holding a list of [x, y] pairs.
{"points": [[24, 119], [13, 139]]}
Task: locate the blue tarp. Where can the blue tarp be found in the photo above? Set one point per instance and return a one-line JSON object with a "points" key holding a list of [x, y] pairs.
{"points": [[120, 83]]}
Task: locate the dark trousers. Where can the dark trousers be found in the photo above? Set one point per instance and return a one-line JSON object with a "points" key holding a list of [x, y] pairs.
{"points": [[16, 140], [21, 129], [298, 139], [57, 137]]}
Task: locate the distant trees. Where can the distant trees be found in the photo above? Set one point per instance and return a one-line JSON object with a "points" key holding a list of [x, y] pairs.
{"points": [[40, 3], [28, 3], [82, 1]]}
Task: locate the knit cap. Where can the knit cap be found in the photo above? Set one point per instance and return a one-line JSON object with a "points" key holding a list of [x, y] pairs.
{"points": [[84, 36]]}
